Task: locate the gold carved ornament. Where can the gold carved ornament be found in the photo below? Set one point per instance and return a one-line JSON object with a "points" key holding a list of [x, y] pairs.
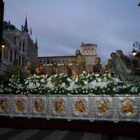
{"points": [[20, 105], [80, 106], [127, 107], [103, 107], [38, 105], [58, 106], [4, 105]]}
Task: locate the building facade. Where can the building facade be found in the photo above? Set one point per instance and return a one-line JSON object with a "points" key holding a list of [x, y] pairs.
{"points": [[19, 46], [87, 50]]}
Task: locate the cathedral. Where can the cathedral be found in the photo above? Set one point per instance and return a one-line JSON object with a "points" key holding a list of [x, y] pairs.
{"points": [[18, 45]]}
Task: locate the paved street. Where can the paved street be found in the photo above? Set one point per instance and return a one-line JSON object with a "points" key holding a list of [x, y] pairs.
{"points": [[36, 134]]}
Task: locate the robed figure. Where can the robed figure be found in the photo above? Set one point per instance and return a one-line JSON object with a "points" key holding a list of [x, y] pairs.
{"points": [[124, 72], [80, 61]]}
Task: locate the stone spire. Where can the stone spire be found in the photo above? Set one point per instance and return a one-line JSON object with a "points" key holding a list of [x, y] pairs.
{"points": [[36, 44], [26, 25]]}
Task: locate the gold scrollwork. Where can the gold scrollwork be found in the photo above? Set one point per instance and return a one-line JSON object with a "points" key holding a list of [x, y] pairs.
{"points": [[80, 106], [38, 105], [58, 106], [4, 105], [103, 107], [20, 105], [127, 107]]}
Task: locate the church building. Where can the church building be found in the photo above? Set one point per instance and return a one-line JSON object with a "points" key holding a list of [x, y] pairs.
{"points": [[18, 45]]}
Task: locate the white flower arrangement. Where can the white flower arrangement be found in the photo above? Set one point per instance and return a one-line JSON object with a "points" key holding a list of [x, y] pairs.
{"points": [[61, 84]]}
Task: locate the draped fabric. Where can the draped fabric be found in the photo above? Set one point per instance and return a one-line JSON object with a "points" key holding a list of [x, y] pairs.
{"points": [[125, 73], [80, 61]]}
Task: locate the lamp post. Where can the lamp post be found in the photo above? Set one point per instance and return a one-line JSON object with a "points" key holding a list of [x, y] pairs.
{"points": [[136, 45], [135, 52]]}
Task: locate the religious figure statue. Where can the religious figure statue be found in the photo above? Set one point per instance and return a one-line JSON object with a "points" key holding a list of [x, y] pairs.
{"points": [[80, 61], [27, 70], [4, 105], [97, 68], [80, 107], [113, 56], [124, 58], [54, 69], [40, 70], [109, 67], [67, 70], [58, 106], [125, 73], [20, 105], [75, 70], [38, 105], [27, 67], [127, 107]]}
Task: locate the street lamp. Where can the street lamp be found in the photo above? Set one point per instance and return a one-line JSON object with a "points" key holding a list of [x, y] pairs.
{"points": [[135, 45], [136, 52], [2, 46]]}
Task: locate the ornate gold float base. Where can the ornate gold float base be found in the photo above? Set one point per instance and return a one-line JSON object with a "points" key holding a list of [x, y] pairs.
{"points": [[72, 107]]}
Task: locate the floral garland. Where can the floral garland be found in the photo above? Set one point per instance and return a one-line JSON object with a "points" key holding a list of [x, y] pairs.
{"points": [[61, 84]]}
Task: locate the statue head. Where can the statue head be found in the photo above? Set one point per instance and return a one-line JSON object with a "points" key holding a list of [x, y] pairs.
{"points": [[78, 52], [40, 67], [113, 55], [119, 53], [97, 60]]}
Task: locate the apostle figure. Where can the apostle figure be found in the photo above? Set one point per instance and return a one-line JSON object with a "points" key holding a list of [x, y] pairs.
{"points": [[75, 70], [111, 62], [40, 70], [27, 69], [97, 68], [67, 70], [54, 69], [108, 66], [80, 61]]}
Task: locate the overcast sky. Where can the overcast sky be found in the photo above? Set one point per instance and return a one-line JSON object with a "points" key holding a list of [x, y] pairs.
{"points": [[62, 25]]}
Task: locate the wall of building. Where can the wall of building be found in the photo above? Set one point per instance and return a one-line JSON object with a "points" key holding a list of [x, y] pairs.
{"points": [[18, 45], [87, 50]]}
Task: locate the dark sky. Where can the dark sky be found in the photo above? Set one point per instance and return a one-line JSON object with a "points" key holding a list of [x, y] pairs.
{"points": [[62, 25]]}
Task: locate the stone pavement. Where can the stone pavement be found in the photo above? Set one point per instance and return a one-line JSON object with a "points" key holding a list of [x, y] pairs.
{"points": [[38, 134]]}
